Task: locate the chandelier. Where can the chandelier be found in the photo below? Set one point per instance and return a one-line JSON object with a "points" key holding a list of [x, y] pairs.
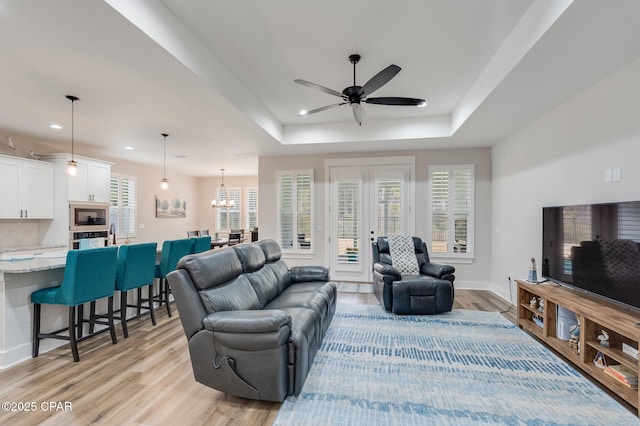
{"points": [[222, 198]]}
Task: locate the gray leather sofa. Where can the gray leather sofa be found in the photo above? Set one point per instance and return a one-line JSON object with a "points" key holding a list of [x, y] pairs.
{"points": [[253, 325]]}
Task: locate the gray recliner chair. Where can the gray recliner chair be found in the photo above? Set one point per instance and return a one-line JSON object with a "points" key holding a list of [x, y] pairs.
{"points": [[429, 292]]}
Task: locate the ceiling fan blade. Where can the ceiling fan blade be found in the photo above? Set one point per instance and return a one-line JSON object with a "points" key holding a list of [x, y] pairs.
{"points": [[317, 86], [313, 111], [358, 113], [380, 79], [396, 101]]}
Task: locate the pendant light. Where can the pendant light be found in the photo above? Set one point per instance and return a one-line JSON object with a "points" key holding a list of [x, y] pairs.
{"points": [[72, 166], [164, 182], [222, 199]]}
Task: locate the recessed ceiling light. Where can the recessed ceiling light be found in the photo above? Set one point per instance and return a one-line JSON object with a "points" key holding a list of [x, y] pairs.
{"points": [[130, 148], [56, 126], [303, 112]]}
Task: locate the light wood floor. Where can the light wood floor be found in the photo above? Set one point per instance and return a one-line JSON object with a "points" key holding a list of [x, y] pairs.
{"points": [[147, 379]]}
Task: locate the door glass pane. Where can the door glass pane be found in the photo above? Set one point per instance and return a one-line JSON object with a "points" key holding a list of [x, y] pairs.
{"points": [[389, 207], [348, 222]]}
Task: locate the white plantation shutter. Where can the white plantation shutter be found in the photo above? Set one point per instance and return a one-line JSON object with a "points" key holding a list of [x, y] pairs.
{"points": [[439, 211], [234, 212], [295, 210], [285, 213], [462, 209], [229, 218], [123, 205], [452, 210], [251, 205], [629, 221], [348, 221]]}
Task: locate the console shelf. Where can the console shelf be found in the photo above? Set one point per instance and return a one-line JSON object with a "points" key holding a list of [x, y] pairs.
{"points": [[594, 316]]}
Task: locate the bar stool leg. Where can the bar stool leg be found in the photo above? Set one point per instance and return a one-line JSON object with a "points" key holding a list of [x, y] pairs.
{"points": [[35, 343], [72, 333], [160, 291], [112, 326], [166, 295], [123, 313], [152, 311], [139, 303], [80, 322], [92, 317]]}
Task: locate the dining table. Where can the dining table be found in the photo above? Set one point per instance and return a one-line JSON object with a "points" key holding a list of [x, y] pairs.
{"points": [[220, 242]]}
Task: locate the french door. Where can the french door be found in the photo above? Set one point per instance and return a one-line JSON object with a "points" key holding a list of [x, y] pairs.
{"points": [[365, 202]]}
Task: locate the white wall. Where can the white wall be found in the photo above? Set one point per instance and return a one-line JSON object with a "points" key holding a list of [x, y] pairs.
{"points": [[561, 159], [475, 275]]}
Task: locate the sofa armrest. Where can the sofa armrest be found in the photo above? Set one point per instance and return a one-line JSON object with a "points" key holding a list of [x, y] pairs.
{"points": [[301, 274], [386, 269], [437, 270], [249, 330], [256, 321]]}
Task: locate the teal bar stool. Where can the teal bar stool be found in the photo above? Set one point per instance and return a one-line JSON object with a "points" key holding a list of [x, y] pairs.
{"points": [[135, 269], [172, 252], [200, 244], [89, 275]]}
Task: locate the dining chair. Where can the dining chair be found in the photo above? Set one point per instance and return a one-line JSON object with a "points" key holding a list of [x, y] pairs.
{"points": [[235, 238], [172, 252], [191, 234], [200, 244], [204, 233], [89, 275], [135, 269]]}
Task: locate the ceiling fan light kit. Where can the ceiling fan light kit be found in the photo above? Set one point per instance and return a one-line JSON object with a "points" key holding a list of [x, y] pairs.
{"points": [[355, 95]]}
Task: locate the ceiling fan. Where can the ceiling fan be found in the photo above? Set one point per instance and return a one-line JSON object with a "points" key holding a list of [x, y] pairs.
{"points": [[355, 95]]}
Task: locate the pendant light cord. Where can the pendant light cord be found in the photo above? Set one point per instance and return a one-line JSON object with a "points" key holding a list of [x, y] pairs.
{"points": [[72, 99], [72, 102], [164, 156]]}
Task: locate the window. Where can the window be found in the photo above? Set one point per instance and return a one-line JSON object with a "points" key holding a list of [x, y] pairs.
{"points": [[451, 218], [122, 205], [251, 206], [295, 218], [229, 218]]}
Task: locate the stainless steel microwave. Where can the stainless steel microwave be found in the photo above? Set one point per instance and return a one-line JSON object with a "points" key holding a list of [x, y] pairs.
{"points": [[88, 217]]}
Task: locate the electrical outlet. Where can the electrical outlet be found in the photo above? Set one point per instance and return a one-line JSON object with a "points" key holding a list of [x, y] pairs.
{"points": [[616, 174]]}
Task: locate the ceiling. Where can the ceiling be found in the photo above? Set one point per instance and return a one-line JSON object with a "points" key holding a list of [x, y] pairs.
{"points": [[217, 76]]}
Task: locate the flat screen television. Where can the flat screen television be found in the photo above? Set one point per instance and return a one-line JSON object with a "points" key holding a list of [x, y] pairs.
{"points": [[594, 248]]}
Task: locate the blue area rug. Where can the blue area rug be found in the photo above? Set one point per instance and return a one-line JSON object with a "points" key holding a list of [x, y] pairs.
{"points": [[460, 368]]}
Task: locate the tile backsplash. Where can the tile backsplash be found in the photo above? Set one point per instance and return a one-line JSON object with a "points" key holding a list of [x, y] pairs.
{"points": [[17, 234]]}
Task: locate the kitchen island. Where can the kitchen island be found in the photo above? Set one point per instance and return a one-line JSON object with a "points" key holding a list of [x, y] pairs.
{"points": [[22, 273]]}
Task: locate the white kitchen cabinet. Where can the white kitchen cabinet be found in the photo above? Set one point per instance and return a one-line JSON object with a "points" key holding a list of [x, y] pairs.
{"points": [[26, 190], [92, 181]]}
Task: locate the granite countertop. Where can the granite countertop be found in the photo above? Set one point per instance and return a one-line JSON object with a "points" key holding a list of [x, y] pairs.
{"points": [[33, 248], [39, 262]]}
